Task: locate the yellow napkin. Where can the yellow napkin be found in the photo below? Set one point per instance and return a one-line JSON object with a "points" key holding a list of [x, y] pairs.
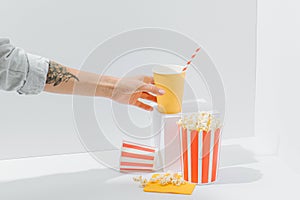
{"points": [[186, 188]]}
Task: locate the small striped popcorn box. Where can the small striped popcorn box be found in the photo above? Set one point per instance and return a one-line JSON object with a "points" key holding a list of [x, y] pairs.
{"points": [[137, 157], [200, 154]]}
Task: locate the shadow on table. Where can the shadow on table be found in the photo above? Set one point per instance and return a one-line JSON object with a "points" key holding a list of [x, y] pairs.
{"points": [[235, 155], [232, 175], [231, 170], [86, 185], [89, 185]]}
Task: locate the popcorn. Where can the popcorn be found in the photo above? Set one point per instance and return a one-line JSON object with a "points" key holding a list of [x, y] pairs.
{"points": [[143, 181], [137, 179], [202, 121], [162, 179]]}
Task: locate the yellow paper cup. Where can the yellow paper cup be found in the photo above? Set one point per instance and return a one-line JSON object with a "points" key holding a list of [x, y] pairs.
{"points": [[171, 79]]}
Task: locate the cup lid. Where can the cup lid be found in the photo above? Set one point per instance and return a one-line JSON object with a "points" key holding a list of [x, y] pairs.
{"points": [[167, 69]]}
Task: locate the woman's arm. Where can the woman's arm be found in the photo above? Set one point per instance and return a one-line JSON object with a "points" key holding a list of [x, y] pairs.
{"points": [[31, 74], [65, 80]]}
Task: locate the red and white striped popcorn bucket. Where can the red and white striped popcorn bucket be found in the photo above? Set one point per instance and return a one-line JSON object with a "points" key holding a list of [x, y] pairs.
{"points": [[200, 155], [137, 157]]}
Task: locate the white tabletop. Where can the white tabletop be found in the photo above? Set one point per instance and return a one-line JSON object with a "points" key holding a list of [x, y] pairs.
{"points": [[242, 175]]}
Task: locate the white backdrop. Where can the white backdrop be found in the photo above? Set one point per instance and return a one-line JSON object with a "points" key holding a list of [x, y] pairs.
{"points": [[66, 31], [277, 98]]}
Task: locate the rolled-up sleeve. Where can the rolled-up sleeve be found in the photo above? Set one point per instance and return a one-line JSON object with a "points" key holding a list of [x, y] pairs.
{"points": [[21, 71]]}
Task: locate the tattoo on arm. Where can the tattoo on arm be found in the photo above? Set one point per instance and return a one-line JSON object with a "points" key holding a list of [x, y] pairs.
{"points": [[58, 74]]}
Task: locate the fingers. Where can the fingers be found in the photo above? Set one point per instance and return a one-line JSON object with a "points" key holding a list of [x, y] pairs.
{"points": [[148, 96], [148, 79], [144, 95], [143, 106], [153, 89]]}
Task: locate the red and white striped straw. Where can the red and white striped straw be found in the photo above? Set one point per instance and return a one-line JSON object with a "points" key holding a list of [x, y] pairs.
{"points": [[192, 57]]}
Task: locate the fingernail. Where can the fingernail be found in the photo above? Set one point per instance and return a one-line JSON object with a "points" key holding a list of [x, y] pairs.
{"points": [[161, 91]]}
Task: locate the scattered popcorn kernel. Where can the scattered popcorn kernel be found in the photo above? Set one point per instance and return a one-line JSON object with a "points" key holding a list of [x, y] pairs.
{"points": [[162, 179]]}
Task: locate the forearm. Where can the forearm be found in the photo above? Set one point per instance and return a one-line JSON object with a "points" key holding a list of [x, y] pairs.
{"points": [[65, 80]]}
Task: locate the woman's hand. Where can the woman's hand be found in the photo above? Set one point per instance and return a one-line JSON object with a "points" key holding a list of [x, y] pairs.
{"points": [[130, 90]]}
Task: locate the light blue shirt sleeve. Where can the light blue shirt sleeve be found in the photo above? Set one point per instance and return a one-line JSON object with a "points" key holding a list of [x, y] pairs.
{"points": [[21, 71]]}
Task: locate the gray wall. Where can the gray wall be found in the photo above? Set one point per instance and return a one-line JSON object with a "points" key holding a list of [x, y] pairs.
{"points": [[67, 31], [277, 105]]}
